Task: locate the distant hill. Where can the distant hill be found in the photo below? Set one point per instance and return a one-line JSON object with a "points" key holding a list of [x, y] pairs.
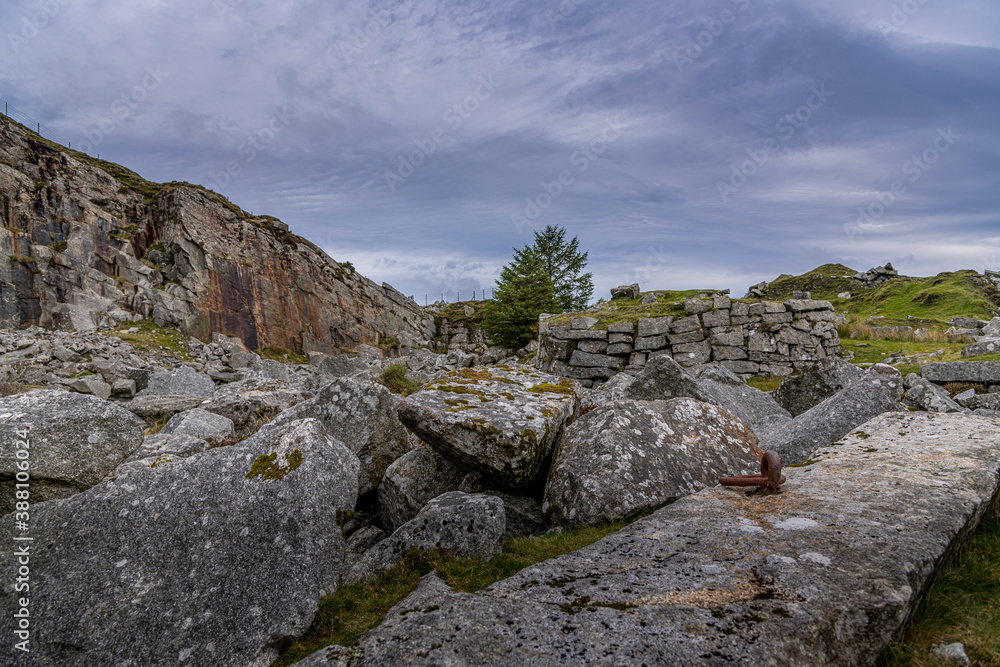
{"points": [[940, 297]]}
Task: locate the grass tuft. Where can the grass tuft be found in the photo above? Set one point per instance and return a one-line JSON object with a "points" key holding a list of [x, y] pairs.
{"points": [[151, 337], [766, 382], [963, 605], [353, 610], [283, 355], [394, 379]]}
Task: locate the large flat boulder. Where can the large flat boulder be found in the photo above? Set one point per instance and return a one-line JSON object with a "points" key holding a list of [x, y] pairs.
{"points": [[254, 398], [632, 455], [184, 381], [159, 407], [199, 423], [662, 379], [826, 572], [987, 372], [465, 524], [748, 403], [65, 442], [924, 395], [160, 449], [878, 390], [217, 559], [817, 383], [362, 414], [500, 420], [412, 481]]}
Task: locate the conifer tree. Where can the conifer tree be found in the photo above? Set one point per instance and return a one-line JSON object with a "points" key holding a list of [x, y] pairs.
{"points": [[563, 263], [523, 292]]}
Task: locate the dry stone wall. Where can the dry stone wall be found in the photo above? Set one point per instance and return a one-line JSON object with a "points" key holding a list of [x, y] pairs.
{"points": [[765, 338]]}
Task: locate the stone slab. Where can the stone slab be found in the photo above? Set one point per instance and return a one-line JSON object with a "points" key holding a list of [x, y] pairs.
{"points": [[962, 371], [826, 572]]}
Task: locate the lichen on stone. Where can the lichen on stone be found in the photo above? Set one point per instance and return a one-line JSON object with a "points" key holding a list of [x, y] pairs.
{"points": [[547, 387], [266, 466]]}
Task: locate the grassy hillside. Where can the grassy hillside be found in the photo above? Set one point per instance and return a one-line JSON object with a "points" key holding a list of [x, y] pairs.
{"points": [[937, 298]]}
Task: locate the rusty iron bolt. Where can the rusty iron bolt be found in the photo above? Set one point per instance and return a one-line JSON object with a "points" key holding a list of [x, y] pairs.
{"points": [[767, 481]]}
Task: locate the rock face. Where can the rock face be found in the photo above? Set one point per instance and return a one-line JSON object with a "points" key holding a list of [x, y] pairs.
{"points": [[878, 390], [750, 404], [927, 396], [987, 372], [827, 572], [412, 481], [468, 525], [160, 449], [817, 383], [199, 423], [92, 250], [662, 379], [185, 381], [217, 559], [501, 421], [252, 398], [632, 455], [361, 414], [69, 441]]}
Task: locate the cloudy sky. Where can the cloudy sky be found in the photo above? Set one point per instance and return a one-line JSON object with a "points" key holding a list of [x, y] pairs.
{"points": [[687, 144]]}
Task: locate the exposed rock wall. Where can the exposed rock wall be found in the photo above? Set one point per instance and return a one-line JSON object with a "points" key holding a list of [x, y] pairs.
{"points": [[763, 338], [88, 249]]}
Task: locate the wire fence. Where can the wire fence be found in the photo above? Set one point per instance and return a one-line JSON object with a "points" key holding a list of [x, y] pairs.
{"points": [[32, 123], [446, 297]]}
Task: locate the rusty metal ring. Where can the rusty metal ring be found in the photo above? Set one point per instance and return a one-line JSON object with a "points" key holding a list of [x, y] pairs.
{"points": [[769, 479]]}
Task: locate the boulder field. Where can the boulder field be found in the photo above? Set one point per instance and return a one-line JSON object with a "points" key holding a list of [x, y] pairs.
{"points": [[824, 573], [270, 485]]}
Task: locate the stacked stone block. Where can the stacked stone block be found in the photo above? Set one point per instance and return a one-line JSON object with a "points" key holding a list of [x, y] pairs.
{"points": [[765, 338]]}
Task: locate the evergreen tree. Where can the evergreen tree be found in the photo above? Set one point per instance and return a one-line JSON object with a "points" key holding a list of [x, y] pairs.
{"points": [[563, 263], [523, 292]]}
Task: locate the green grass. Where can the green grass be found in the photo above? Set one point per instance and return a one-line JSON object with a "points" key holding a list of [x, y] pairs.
{"points": [[630, 310], [940, 297], [353, 610], [874, 351], [825, 282], [153, 338], [394, 378], [766, 382], [455, 312], [935, 298], [963, 605], [283, 355]]}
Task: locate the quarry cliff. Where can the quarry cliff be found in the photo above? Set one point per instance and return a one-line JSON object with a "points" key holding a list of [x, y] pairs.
{"points": [[91, 244]]}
